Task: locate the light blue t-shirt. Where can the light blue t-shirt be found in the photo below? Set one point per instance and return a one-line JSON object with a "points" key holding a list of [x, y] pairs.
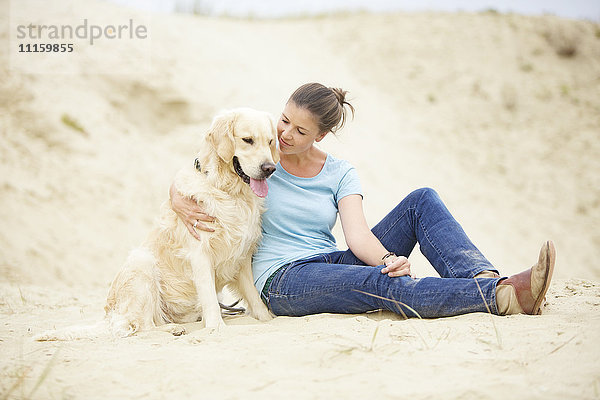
{"points": [[300, 215]]}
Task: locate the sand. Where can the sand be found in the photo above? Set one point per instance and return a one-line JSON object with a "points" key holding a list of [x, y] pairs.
{"points": [[499, 113]]}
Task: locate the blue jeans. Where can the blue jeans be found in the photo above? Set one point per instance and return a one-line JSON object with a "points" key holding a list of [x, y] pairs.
{"points": [[339, 282]]}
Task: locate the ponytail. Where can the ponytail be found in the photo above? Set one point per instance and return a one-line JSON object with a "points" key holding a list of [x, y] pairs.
{"points": [[328, 105]]}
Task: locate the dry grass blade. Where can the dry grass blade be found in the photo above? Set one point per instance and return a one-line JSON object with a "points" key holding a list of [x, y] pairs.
{"points": [[498, 337], [562, 345], [398, 304], [44, 373], [73, 124], [22, 375], [374, 336], [18, 383], [21, 295]]}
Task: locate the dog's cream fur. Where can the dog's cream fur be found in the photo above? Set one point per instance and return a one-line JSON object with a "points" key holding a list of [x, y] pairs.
{"points": [[174, 278]]}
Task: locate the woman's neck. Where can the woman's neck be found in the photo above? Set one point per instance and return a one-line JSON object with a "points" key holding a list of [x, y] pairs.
{"points": [[304, 165]]}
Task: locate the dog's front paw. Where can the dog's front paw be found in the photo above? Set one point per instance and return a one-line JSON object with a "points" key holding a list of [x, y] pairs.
{"points": [[173, 329], [216, 324], [178, 331], [262, 314]]}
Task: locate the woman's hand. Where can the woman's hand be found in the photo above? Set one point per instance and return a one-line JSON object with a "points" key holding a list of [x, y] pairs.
{"points": [[397, 266], [190, 213]]}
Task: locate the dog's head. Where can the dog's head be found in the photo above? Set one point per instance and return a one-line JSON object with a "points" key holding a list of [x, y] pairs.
{"points": [[246, 139]]}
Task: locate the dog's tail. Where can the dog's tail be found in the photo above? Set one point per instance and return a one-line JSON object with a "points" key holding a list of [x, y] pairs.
{"points": [[113, 325], [75, 332]]}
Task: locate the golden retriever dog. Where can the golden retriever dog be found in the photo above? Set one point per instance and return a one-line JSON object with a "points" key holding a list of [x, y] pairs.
{"points": [[173, 278]]}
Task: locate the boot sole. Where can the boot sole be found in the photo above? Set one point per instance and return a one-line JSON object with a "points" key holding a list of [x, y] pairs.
{"points": [[550, 260]]}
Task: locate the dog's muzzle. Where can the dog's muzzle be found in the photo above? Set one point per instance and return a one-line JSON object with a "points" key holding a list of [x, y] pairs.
{"points": [[258, 186]]}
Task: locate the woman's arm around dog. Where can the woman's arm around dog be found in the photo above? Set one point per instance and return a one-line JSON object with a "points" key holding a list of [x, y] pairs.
{"points": [[189, 212]]}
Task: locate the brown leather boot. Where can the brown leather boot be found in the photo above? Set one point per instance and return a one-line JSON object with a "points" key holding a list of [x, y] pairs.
{"points": [[529, 286]]}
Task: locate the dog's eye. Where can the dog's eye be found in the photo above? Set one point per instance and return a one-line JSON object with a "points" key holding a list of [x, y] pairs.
{"points": [[270, 142], [248, 140]]}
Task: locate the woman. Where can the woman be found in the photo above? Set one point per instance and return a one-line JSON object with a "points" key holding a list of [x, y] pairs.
{"points": [[298, 270]]}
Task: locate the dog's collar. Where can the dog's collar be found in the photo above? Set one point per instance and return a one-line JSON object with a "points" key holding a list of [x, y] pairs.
{"points": [[197, 165], [236, 166], [238, 170]]}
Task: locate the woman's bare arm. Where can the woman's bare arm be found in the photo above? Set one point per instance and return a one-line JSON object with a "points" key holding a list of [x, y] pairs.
{"points": [[363, 243]]}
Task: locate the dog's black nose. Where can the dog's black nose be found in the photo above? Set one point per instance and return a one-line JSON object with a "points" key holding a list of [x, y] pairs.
{"points": [[268, 169]]}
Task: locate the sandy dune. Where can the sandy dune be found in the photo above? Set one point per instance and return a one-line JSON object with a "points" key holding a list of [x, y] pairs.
{"points": [[499, 113]]}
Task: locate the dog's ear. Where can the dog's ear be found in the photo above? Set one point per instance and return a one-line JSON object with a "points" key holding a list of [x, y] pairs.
{"points": [[220, 135], [275, 147]]}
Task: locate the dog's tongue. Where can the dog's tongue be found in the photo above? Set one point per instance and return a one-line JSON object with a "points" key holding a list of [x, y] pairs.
{"points": [[259, 187]]}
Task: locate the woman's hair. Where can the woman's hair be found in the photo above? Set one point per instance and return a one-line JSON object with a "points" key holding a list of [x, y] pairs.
{"points": [[328, 105]]}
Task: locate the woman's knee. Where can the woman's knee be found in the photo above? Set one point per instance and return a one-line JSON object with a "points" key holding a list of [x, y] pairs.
{"points": [[422, 199], [425, 193]]}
